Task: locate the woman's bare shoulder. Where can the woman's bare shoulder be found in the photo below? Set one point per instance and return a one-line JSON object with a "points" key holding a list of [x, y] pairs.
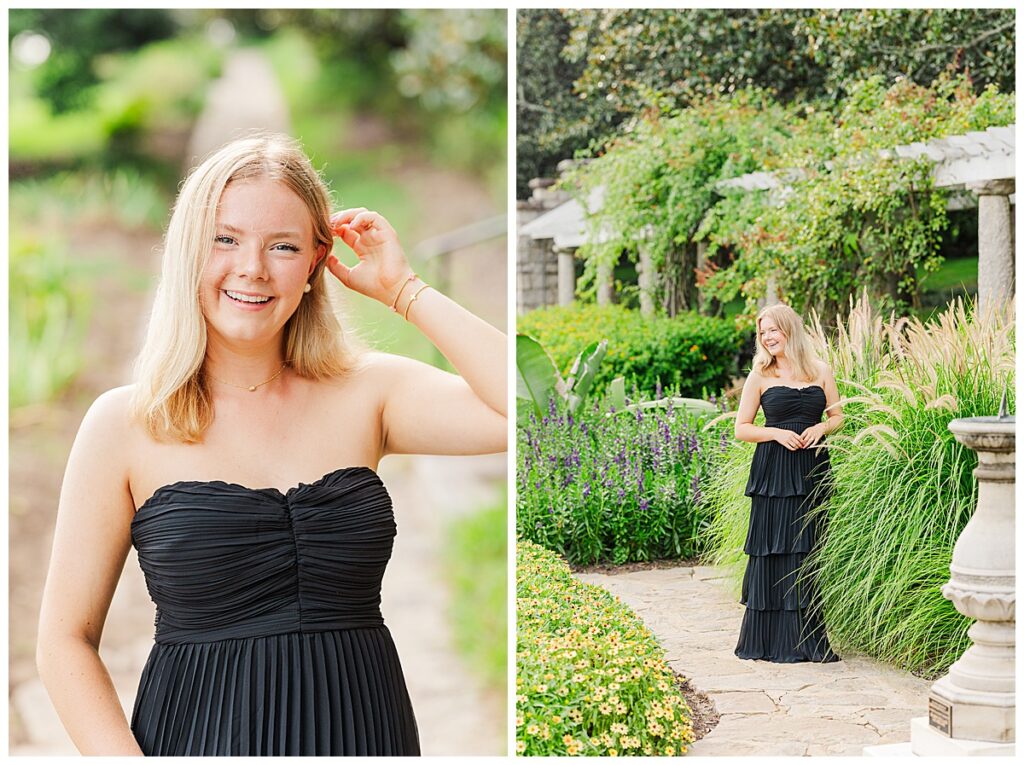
{"points": [[109, 418], [823, 369]]}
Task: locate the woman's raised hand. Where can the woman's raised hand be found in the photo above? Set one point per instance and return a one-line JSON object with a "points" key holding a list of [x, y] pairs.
{"points": [[382, 267]]}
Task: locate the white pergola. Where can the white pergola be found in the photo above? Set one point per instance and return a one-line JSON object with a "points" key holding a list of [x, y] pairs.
{"points": [[982, 162], [979, 165]]}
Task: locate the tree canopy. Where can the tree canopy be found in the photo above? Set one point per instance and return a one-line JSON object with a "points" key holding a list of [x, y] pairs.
{"points": [[582, 73]]}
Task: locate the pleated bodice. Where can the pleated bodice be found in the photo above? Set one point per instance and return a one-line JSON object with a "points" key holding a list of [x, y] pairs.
{"points": [[775, 471], [269, 636], [222, 560]]}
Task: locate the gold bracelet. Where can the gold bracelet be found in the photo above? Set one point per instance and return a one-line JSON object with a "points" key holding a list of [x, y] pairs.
{"points": [[412, 300], [411, 277]]}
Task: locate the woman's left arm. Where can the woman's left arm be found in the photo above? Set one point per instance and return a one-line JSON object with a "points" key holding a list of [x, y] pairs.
{"points": [[427, 410], [833, 410]]}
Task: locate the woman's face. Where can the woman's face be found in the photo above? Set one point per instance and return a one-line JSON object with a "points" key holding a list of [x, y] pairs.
{"points": [[772, 338], [262, 255]]}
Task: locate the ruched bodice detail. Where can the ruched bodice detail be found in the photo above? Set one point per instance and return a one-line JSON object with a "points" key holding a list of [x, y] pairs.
{"points": [[225, 561], [782, 622], [269, 636], [775, 471]]}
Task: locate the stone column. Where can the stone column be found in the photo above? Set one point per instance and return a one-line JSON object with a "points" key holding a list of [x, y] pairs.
{"points": [[604, 284], [995, 240], [566, 276], [646, 280]]}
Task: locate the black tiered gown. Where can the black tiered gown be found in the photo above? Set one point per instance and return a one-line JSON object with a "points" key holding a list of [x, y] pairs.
{"points": [[269, 637], [783, 622]]}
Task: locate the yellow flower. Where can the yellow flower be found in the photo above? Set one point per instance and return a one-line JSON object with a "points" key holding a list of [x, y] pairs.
{"points": [[605, 709], [572, 749], [619, 728], [519, 721], [520, 746], [670, 750], [532, 729], [556, 719], [541, 688], [612, 753], [567, 739]]}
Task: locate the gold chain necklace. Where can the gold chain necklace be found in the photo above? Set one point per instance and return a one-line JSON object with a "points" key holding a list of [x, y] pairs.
{"points": [[250, 388]]}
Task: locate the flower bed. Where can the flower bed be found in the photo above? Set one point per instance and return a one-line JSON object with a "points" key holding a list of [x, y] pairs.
{"points": [[620, 487], [591, 678]]}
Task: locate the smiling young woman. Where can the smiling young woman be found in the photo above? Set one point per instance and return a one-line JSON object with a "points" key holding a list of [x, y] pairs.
{"points": [[788, 480], [269, 637]]}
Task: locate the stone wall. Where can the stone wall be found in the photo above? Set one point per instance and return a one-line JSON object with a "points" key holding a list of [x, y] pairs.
{"points": [[536, 260]]}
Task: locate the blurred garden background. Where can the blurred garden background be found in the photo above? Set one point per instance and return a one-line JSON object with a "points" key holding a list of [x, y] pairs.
{"points": [[404, 112], [676, 171]]}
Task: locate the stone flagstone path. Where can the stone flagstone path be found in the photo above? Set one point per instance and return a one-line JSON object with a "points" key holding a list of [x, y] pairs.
{"points": [[766, 709]]}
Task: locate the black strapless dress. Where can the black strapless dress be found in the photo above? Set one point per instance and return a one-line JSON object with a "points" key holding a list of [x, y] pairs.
{"points": [[269, 637], [782, 622]]}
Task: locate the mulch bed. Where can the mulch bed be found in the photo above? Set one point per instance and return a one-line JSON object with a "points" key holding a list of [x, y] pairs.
{"points": [[628, 568], [703, 714]]}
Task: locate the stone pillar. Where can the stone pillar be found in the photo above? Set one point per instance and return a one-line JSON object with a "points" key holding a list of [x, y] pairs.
{"points": [[604, 284], [995, 240], [566, 276], [771, 291], [646, 280]]}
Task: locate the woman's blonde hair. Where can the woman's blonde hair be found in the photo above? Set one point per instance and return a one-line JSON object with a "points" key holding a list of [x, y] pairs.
{"points": [[171, 394], [798, 347]]}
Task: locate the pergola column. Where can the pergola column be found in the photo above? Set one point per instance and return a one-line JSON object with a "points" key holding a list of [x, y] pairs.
{"points": [[566, 276], [604, 284], [646, 280], [995, 240]]}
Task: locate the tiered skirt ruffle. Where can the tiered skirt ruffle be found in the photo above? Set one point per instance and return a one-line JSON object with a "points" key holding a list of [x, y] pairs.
{"points": [[783, 622]]}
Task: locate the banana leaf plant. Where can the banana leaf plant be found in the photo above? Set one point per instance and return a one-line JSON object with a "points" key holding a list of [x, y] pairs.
{"points": [[538, 379], [617, 399]]}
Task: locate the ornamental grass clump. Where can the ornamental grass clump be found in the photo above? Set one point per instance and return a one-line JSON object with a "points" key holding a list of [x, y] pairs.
{"points": [[591, 679], [903, 487], [615, 486]]}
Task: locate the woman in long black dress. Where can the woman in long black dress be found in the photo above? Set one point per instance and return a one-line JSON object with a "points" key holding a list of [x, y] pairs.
{"points": [[788, 479], [242, 466]]}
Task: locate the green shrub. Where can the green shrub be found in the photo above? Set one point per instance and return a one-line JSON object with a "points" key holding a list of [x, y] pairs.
{"points": [[50, 307], [591, 678], [476, 565], [693, 354], [903, 486], [622, 487]]}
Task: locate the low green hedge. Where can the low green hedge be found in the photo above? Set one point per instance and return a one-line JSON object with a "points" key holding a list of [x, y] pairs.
{"points": [[689, 353], [591, 678]]}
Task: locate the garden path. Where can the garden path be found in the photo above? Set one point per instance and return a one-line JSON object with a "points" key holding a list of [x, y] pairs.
{"points": [[455, 714], [766, 709]]}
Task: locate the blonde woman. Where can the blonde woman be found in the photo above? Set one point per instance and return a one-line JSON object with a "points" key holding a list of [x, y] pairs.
{"points": [[787, 480], [241, 465]]}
